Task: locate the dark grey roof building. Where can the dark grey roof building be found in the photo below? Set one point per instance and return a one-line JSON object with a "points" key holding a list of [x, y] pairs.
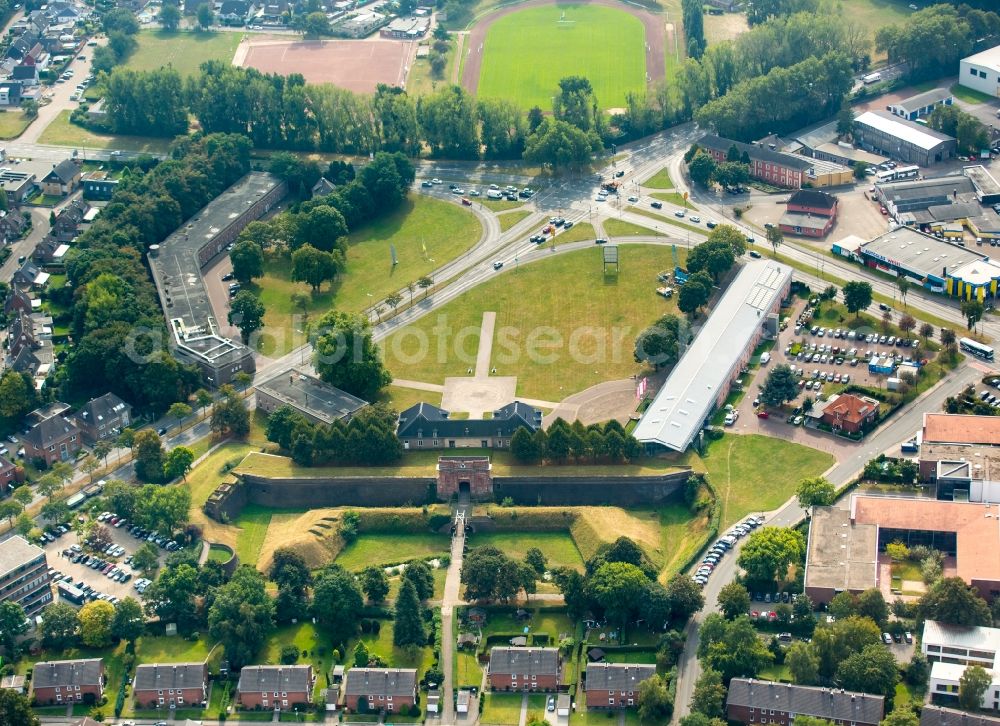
{"points": [[524, 661], [749, 699], [430, 427], [940, 716], [167, 676], [103, 417], [280, 678], [50, 674], [177, 263], [617, 676], [317, 401], [395, 682]]}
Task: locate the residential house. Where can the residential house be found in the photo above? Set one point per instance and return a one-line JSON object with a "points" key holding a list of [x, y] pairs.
{"points": [[19, 185], [22, 334], [39, 55], [278, 687], [25, 73], [932, 715], [523, 669], [25, 42], [59, 13], [98, 186], [20, 300], [236, 12], [31, 275], [274, 12], [424, 426], [809, 213], [52, 439], [12, 224], [24, 575], [323, 187], [850, 413], [172, 685], [68, 681], [751, 701], [50, 251], [385, 689], [9, 475], [103, 418], [63, 179], [10, 93], [615, 685], [69, 219]]}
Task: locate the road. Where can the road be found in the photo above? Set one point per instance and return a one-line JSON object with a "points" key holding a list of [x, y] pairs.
{"points": [[903, 425]]}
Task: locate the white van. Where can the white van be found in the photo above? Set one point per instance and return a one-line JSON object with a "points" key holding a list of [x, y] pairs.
{"points": [[765, 358]]}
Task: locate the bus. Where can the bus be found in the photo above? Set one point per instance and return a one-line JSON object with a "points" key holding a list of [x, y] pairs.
{"points": [[978, 349], [897, 174]]}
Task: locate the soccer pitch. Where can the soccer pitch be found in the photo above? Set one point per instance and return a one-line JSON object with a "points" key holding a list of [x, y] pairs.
{"points": [[527, 52]]}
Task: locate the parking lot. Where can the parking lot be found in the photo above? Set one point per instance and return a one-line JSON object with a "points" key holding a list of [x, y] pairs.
{"points": [[61, 552]]}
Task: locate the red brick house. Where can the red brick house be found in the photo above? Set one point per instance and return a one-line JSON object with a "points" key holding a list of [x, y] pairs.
{"points": [[9, 475], [523, 669], [163, 685], [67, 681], [52, 439], [774, 167], [809, 213], [277, 687], [615, 685], [384, 689], [750, 701], [850, 413]]}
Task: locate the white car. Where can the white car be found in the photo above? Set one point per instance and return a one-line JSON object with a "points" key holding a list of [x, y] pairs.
{"points": [[679, 213], [731, 417], [497, 265], [694, 218], [633, 199]]}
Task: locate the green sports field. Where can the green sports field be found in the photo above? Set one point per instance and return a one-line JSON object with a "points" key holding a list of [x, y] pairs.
{"points": [[527, 52]]}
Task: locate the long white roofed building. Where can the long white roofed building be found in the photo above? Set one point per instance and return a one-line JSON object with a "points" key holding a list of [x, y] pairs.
{"points": [[701, 380]]}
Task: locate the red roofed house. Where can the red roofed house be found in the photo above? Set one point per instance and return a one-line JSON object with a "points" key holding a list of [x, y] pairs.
{"points": [[850, 413], [809, 213]]}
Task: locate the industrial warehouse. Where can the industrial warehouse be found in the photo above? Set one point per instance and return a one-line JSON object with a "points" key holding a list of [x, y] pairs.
{"points": [[937, 264]]}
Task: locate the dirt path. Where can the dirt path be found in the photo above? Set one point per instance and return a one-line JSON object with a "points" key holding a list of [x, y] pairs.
{"points": [[654, 26], [459, 49]]}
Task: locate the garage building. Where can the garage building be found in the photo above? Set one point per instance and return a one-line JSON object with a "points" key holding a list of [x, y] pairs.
{"points": [[981, 72], [884, 133]]}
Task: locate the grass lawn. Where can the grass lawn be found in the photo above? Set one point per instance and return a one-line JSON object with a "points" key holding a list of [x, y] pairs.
{"points": [[671, 220], [381, 644], [203, 480], [402, 398], [681, 535], [424, 463], [370, 273], [776, 673], [391, 549], [60, 132], [660, 180], [499, 205], [420, 82], [468, 672], [183, 50], [621, 228], [217, 553], [13, 124], [550, 621], [174, 649], [509, 219], [754, 473], [875, 14], [970, 95], [555, 349], [253, 523], [307, 639], [527, 52], [576, 233], [501, 709], [558, 547]]}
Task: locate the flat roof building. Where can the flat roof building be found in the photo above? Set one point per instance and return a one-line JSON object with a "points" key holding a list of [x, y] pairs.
{"points": [[319, 402], [960, 454], [177, 262], [987, 186], [937, 264], [981, 72], [24, 575], [700, 380], [884, 133], [839, 551]]}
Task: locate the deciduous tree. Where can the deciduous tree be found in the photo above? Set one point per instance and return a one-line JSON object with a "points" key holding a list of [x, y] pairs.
{"points": [[768, 552], [95, 623], [816, 491]]}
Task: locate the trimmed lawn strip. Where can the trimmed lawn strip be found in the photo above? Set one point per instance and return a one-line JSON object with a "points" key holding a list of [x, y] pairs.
{"points": [[401, 398], [673, 198], [754, 473], [970, 95], [13, 124], [499, 205], [682, 534], [391, 549], [660, 180], [558, 547], [621, 228], [671, 220], [577, 233], [253, 523], [502, 709], [510, 219]]}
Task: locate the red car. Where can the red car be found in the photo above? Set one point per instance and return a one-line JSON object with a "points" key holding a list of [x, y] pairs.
{"points": [[466, 202], [883, 210], [763, 414]]}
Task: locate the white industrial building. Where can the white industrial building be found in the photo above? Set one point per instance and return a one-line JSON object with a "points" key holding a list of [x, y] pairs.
{"points": [[981, 72], [701, 379]]}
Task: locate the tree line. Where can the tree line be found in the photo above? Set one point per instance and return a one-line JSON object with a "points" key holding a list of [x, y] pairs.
{"points": [[562, 442], [113, 294], [368, 438]]}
